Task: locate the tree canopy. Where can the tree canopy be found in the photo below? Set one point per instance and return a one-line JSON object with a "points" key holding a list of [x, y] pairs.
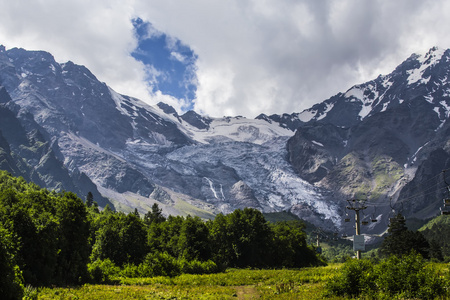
{"points": [[49, 238]]}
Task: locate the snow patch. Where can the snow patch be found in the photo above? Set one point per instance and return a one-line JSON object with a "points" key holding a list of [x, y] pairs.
{"points": [[429, 98], [446, 107], [325, 112], [386, 82], [355, 92], [317, 143], [414, 157], [385, 106], [436, 110], [118, 99], [365, 110], [428, 60], [306, 115]]}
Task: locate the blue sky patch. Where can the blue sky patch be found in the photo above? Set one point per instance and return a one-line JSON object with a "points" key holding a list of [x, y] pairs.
{"points": [[170, 64]]}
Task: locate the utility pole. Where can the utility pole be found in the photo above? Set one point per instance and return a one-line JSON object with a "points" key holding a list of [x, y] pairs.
{"points": [[357, 205], [319, 233]]}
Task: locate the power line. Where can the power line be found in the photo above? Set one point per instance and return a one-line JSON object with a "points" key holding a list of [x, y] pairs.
{"points": [[429, 190], [360, 205]]}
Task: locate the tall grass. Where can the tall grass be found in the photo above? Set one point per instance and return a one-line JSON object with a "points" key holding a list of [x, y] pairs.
{"points": [[307, 283], [233, 284]]}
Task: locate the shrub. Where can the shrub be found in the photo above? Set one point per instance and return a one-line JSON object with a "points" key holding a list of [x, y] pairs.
{"points": [[30, 293], [354, 278], [198, 267], [159, 264], [406, 277], [130, 271], [102, 270]]}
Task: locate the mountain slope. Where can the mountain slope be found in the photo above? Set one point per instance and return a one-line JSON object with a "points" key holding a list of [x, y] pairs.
{"points": [[378, 140], [137, 154], [25, 152]]}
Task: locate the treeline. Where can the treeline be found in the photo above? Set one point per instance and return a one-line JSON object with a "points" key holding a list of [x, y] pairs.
{"points": [[49, 238]]}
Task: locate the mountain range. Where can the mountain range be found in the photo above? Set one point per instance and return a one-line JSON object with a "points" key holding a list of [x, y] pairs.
{"points": [[385, 141]]}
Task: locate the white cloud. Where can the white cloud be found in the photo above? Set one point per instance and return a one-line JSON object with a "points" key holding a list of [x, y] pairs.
{"points": [[178, 56], [254, 56]]}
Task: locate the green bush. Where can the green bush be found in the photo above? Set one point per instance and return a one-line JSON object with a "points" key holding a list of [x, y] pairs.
{"points": [[102, 270], [408, 276], [354, 278], [198, 267], [159, 264], [405, 277], [30, 293], [130, 271]]}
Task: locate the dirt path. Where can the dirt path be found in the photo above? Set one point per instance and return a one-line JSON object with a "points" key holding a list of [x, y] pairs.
{"points": [[247, 292]]}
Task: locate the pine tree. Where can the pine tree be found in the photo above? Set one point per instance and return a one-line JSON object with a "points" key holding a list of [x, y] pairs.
{"points": [[155, 215], [401, 241], [89, 199]]}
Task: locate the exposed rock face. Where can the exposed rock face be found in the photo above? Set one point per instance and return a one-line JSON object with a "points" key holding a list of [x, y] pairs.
{"points": [[315, 149], [26, 152], [369, 142], [422, 196], [162, 196], [242, 195], [196, 120], [63, 129]]}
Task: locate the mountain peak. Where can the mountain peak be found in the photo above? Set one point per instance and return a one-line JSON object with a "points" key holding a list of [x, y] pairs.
{"points": [[368, 139], [167, 109]]}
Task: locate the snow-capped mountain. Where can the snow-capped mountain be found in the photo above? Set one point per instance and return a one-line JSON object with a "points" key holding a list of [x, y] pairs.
{"points": [[368, 141], [420, 75], [137, 154], [373, 140]]}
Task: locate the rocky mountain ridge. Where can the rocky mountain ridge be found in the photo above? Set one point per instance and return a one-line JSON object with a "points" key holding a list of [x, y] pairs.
{"points": [[370, 142]]}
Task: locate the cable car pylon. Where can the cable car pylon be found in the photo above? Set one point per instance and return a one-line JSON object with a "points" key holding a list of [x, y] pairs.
{"points": [[357, 205], [446, 201]]}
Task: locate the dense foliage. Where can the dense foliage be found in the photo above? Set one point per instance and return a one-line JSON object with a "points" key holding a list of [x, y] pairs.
{"points": [[45, 235], [49, 238], [437, 232], [398, 277], [401, 241]]}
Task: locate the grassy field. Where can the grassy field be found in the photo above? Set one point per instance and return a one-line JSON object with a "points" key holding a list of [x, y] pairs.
{"points": [[307, 283], [233, 284]]}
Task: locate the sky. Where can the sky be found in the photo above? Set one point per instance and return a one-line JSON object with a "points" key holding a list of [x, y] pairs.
{"points": [[233, 57]]}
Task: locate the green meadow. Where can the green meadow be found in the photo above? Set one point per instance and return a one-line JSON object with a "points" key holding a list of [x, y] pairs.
{"points": [[306, 283]]}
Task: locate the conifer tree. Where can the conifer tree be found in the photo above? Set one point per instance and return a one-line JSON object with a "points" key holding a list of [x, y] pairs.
{"points": [[154, 216], [89, 199], [401, 241]]}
